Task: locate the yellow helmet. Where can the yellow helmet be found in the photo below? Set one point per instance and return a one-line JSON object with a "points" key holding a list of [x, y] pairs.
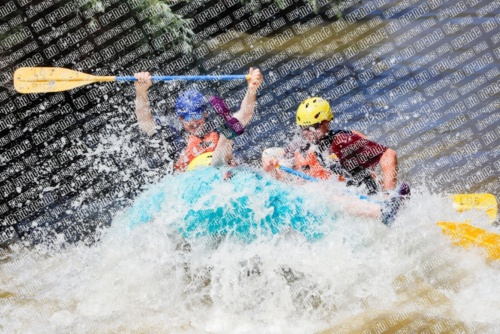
{"points": [[313, 110], [203, 160]]}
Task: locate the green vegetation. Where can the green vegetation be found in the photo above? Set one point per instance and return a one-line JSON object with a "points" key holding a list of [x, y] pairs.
{"points": [[162, 19]]}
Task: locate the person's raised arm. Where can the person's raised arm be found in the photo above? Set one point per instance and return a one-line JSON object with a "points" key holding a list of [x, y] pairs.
{"points": [[142, 108], [224, 150], [244, 115]]}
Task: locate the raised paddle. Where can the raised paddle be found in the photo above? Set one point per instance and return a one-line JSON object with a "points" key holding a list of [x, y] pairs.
{"points": [[29, 80]]}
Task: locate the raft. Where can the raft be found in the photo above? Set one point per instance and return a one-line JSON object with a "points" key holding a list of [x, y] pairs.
{"points": [[230, 203], [246, 205]]}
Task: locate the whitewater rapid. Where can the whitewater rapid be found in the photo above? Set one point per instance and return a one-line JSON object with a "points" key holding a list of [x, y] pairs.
{"points": [[173, 274]]}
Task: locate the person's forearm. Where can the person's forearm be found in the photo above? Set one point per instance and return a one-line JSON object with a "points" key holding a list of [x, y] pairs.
{"points": [[356, 207], [244, 115], [390, 179], [389, 164], [223, 152], [143, 113]]}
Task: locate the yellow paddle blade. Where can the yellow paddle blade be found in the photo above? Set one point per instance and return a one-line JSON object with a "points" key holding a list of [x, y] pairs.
{"points": [[482, 202], [52, 79], [26, 87], [466, 236]]}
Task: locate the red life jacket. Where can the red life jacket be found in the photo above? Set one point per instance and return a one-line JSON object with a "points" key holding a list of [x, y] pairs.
{"points": [[195, 147], [355, 152]]}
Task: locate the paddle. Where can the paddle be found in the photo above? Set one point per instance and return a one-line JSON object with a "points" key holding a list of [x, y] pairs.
{"points": [[461, 202], [297, 173], [483, 202], [462, 234], [466, 236], [310, 178], [53, 79]]}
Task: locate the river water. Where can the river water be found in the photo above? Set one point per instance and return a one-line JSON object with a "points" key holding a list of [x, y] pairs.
{"points": [[353, 274]]}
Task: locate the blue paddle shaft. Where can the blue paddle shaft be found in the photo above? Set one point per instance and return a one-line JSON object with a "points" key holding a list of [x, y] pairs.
{"points": [[187, 77], [297, 173], [310, 178]]}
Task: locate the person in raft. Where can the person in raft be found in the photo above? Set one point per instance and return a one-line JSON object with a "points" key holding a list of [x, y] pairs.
{"points": [[345, 153], [192, 112]]}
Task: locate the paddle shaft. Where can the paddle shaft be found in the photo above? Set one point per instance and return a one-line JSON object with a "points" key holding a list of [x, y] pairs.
{"points": [[310, 178], [187, 78], [29, 80], [297, 173], [490, 209], [153, 78]]}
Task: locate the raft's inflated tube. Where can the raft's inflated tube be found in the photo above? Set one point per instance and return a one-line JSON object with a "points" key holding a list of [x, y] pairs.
{"points": [[251, 207]]}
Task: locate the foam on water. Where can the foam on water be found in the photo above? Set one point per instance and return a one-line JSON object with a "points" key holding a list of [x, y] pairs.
{"points": [[294, 266]]}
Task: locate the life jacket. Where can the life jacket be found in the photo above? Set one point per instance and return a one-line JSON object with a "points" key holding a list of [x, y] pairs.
{"points": [[310, 165], [354, 152], [357, 156], [351, 156], [195, 147]]}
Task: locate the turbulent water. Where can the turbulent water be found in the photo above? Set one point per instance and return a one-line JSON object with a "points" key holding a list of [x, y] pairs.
{"points": [[180, 267]]}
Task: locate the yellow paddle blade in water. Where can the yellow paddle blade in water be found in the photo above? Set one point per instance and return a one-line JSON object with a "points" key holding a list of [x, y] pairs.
{"points": [[52, 79], [482, 202], [466, 236]]}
